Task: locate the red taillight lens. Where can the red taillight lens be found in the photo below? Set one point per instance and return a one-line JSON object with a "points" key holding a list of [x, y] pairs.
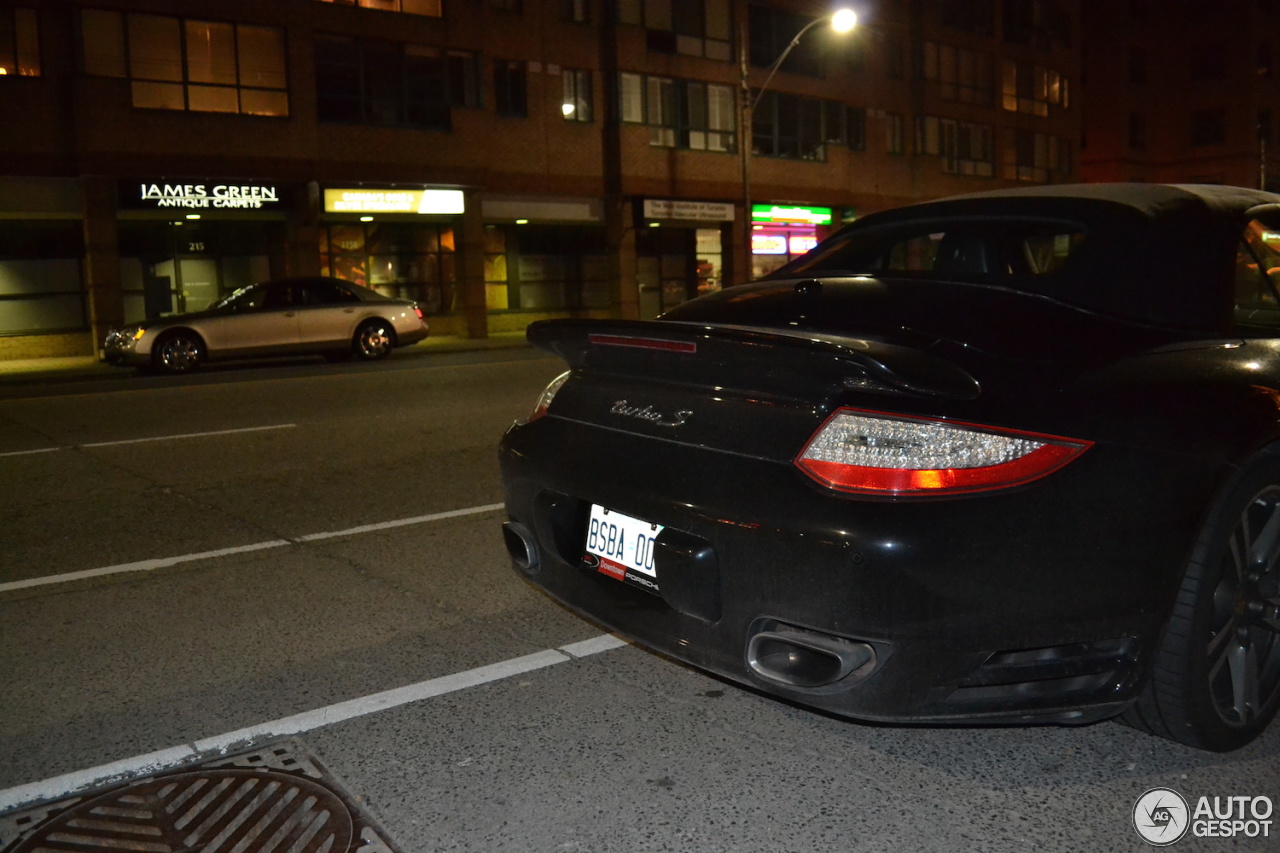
{"points": [[417, 309], [873, 453]]}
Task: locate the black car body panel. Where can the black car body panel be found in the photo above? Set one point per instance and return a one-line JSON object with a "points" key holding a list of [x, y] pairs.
{"points": [[1041, 602]]}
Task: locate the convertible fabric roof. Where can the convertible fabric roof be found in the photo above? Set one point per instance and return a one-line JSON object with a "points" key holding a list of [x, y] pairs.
{"points": [[1157, 253]]}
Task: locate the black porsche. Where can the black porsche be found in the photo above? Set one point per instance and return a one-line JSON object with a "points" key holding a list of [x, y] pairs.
{"points": [[1010, 457]]}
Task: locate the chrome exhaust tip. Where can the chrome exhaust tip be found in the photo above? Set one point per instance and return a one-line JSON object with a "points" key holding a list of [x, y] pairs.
{"points": [[522, 546], [806, 659]]}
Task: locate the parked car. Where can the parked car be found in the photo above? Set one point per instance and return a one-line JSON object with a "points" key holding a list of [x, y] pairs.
{"points": [[1011, 457], [325, 316]]}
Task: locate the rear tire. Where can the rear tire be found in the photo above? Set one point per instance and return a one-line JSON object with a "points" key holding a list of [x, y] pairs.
{"points": [[374, 339], [1215, 680], [177, 352]]}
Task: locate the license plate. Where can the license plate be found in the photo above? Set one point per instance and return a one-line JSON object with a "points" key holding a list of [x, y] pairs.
{"points": [[622, 547]]}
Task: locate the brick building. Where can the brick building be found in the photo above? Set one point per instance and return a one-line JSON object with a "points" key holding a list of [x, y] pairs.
{"points": [[498, 160], [1182, 91]]}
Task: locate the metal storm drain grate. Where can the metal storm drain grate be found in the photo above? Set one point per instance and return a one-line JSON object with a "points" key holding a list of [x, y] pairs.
{"points": [[274, 800]]}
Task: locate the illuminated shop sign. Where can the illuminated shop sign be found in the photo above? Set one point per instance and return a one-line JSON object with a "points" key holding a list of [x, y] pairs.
{"points": [[768, 244], [700, 211], [800, 245], [790, 214], [199, 195], [393, 201]]}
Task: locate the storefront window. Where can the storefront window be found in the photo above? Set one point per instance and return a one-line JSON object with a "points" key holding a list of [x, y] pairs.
{"points": [[41, 287], [545, 267], [399, 259], [179, 267]]}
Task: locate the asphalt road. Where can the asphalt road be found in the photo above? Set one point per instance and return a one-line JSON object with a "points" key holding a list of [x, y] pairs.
{"points": [[189, 565]]}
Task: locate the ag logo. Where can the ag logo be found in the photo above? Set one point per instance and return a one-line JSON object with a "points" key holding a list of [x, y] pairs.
{"points": [[1161, 816]]}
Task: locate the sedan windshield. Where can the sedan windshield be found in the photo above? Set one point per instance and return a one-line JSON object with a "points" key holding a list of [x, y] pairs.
{"points": [[245, 297]]}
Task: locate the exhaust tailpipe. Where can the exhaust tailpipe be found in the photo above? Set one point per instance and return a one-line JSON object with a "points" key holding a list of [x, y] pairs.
{"points": [[522, 547]]}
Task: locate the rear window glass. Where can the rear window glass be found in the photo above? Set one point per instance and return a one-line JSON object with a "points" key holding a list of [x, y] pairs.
{"points": [[980, 250]]}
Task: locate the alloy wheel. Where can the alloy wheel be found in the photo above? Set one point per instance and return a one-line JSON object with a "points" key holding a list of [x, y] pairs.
{"points": [[1244, 638], [179, 354], [374, 341]]}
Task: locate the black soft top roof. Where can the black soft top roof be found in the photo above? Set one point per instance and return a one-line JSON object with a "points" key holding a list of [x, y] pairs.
{"points": [[1158, 253]]}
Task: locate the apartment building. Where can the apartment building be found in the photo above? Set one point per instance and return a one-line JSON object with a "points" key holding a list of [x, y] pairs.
{"points": [[498, 160], [1182, 91]]}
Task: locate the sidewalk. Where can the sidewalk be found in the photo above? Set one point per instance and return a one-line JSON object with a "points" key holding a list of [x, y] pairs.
{"points": [[86, 367]]}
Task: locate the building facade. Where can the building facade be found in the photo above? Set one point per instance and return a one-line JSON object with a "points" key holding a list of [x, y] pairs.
{"points": [[1182, 91], [497, 160]]}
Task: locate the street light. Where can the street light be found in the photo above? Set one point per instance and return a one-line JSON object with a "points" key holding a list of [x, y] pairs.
{"points": [[842, 21]]}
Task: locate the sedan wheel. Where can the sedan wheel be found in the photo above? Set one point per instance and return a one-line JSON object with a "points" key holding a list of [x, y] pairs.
{"points": [[375, 339], [1216, 680], [179, 352]]}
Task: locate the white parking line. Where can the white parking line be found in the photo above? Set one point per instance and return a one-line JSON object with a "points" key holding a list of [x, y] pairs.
{"points": [[154, 762], [162, 562], [153, 438], [187, 435]]}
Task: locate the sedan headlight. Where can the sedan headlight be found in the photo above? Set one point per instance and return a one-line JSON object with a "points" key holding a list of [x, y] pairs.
{"points": [[125, 338]]}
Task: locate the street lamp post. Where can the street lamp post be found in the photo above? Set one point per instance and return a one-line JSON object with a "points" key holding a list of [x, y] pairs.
{"points": [[842, 21]]}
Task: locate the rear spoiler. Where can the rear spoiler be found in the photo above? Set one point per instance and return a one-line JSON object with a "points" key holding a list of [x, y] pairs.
{"points": [[718, 354]]}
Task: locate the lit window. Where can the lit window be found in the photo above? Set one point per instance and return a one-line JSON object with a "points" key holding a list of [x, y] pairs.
{"points": [[430, 8], [19, 43], [576, 103], [177, 64]]}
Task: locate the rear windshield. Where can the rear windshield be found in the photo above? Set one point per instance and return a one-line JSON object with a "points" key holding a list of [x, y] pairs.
{"points": [[1014, 252]]}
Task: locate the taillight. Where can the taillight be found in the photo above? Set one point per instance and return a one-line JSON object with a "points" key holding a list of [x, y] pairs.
{"points": [[548, 394], [873, 453], [417, 309]]}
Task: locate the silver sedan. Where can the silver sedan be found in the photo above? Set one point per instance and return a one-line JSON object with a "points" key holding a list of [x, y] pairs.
{"points": [[324, 316]]}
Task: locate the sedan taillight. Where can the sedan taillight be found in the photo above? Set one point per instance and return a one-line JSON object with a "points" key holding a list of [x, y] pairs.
{"points": [[873, 453], [417, 309]]}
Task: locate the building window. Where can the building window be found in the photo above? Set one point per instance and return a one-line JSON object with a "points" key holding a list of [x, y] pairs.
{"points": [[1208, 127], [41, 289], [1137, 131], [1039, 23], [970, 16], [708, 117], [1032, 89], [578, 11], [960, 75], [894, 142], [430, 8], [392, 84], [770, 33], [856, 128], [398, 259], [544, 267], [790, 126], [966, 148], [510, 89], [688, 27], [183, 64], [19, 43], [1037, 157], [576, 102], [681, 113]]}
